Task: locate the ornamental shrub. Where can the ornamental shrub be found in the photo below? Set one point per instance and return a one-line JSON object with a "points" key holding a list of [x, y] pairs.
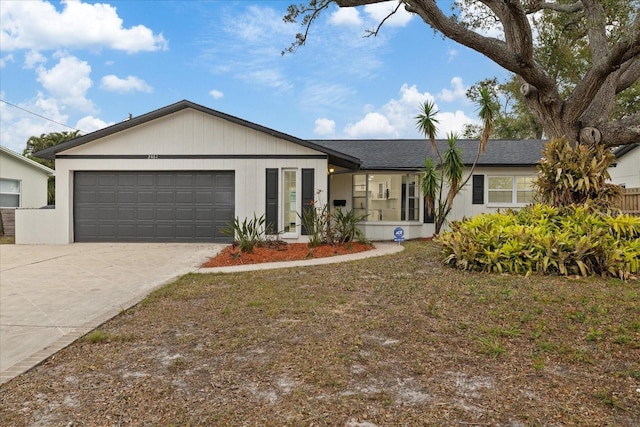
{"points": [[541, 239], [573, 175]]}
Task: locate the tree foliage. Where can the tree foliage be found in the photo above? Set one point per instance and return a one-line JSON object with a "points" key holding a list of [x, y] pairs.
{"points": [[577, 61], [37, 143], [512, 119]]}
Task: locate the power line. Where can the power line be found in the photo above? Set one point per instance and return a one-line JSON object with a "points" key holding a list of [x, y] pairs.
{"points": [[39, 115]]}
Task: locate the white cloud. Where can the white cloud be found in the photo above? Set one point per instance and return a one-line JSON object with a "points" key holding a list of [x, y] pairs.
{"points": [[348, 16], [453, 122], [17, 125], [453, 53], [5, 60], [459, 91], [372, 125], [216, 94], [114, 83], [396, 118], [33, 58], [325, 127], [69, 81], [379, 11], [270, 78], [89, 124], [38, 25]]}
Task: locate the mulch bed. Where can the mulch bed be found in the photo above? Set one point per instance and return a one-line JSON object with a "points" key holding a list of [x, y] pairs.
{"points": [[231, 255]]}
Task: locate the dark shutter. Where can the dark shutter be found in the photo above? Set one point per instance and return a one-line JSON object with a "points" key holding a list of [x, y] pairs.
{"points": [[271, 209], [308, 184], [478, 190]]}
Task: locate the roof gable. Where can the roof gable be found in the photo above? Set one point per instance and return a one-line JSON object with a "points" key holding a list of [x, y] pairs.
{"points": [[335, 157], [26, 161]]}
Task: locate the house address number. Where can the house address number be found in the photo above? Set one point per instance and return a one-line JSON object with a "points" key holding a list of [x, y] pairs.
{"points": [[152, 156]]}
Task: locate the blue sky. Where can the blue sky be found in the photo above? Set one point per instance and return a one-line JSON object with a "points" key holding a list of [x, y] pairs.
{"points": [[87, 65]]}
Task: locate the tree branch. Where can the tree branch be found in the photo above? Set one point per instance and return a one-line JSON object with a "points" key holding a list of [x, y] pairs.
{"points": [[629, 76], [624, 50], [354, 3], [375, 32], [533, 6], [622, 132]]}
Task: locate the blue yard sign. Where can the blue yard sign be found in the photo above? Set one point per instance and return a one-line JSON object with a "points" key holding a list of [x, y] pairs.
{"points": [[398, 234]]}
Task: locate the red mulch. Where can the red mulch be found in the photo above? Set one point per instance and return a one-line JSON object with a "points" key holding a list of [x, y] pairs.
{"points": [[231, 255]]}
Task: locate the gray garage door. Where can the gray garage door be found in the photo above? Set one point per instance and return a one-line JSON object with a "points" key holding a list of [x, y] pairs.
{"points": [[152, 206]]}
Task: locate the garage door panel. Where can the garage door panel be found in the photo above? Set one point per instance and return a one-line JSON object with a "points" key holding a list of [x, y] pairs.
{"points": [[203, 197], [146, 214], [165, 197], [153, 206], [224, 198], [185, 180], [126, 196], [126, 229], [145, 180], [127, 180], [165, 180], [107, 180], [126, 214], [107, 196], [107, 229], [107, 213], [185, 214], [183, 196], [165, 214]]}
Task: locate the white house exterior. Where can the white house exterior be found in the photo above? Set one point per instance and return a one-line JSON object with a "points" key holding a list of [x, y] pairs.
{"points": [[386, 187], [23, 182], [183, 172], [626, 171]]}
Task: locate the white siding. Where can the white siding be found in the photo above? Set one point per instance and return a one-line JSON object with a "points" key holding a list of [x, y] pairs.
{"points": [[33, 181], [627, 171], [183, 133], [463, 206], [190, 132]]}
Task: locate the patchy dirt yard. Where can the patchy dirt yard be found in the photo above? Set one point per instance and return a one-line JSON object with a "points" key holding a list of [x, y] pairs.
{"points": [[397, 340]]}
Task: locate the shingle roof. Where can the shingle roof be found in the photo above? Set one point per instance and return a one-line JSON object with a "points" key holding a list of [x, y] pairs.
{"points": [[401, 154]]}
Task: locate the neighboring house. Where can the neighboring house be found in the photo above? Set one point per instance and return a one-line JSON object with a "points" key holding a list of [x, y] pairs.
{"points": [[626, 170], [183, 172], [23, 184]]}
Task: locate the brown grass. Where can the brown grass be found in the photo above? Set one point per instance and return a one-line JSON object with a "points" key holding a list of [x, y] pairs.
{"points": [[397, 340]]}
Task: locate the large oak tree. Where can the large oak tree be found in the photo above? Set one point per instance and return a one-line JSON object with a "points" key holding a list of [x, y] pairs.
{"points": [[579, 104]]}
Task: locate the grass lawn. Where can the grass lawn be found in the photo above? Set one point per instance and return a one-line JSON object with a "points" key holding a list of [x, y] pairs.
{"points": [[396, 340]]}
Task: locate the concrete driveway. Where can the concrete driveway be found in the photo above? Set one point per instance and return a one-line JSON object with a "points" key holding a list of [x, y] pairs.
{"points": [[52, 294]]}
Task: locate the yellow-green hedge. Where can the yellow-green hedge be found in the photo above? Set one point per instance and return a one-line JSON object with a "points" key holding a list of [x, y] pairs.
{"points": [[540, 239]]}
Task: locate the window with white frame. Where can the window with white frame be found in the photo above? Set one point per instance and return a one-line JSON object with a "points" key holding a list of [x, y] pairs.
{"points": [[9, 193], [387, 197], [289, 197], [510, 189]]}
